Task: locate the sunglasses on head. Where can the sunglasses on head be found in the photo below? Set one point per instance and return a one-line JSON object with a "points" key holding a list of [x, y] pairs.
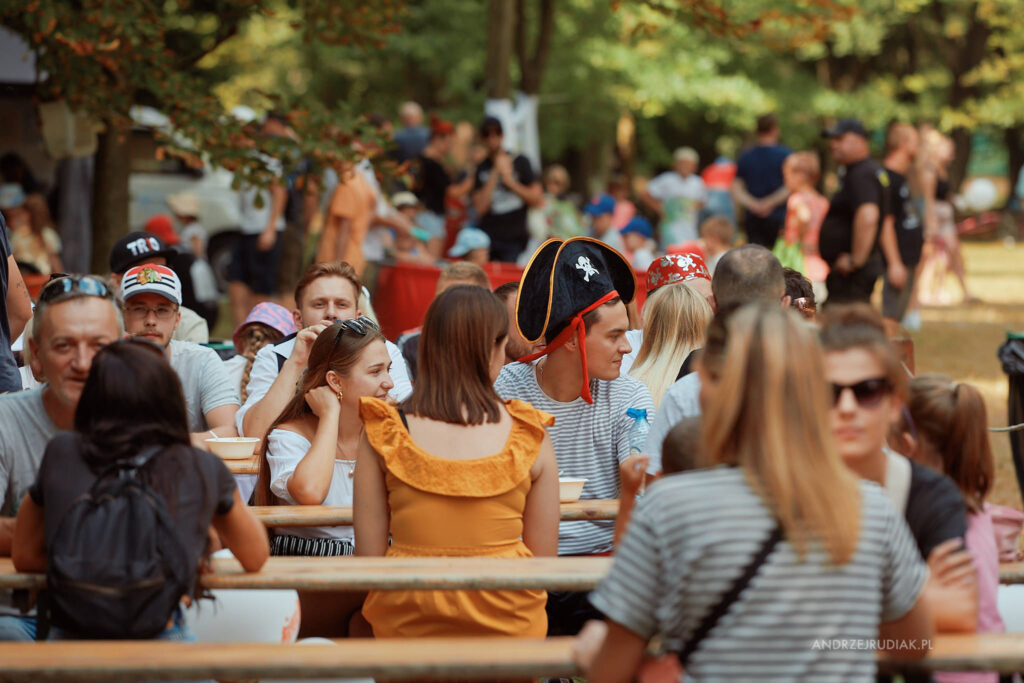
{"points": [[86, 284], [361, 326], [868, 393]]}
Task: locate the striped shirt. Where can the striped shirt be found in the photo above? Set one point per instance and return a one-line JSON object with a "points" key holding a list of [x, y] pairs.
{"points": [[590, 441], [691, 537]]}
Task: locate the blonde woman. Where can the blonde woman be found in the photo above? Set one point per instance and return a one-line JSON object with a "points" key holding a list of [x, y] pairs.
{"points": [[675, 319], [779, 539]]}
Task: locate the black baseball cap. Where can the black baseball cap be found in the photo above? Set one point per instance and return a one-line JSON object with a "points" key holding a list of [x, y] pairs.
{"points": [[491, 123], [136, 247], [844, 126]]}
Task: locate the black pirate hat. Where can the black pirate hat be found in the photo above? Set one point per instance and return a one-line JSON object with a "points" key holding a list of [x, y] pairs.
{"points": [[565, 280]]}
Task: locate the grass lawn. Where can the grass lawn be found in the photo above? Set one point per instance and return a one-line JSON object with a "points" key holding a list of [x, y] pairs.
{"points": [[961, 341]]}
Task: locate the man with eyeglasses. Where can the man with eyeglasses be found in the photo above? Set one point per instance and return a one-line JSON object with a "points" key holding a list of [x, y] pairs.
{"points": [[138, 249], [152, 303], [74, 318], [503, 189]]}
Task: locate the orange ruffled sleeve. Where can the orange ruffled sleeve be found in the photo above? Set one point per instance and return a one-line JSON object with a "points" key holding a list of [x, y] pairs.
{"points": [[483, 477]]}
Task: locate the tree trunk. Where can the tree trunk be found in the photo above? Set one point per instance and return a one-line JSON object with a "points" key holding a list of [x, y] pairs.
{"points": [[1014, 137], [500, 29], [110, 194], [532, 67], [958, 169]]}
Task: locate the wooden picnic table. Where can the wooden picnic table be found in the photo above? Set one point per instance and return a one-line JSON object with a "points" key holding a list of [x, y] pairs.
{"points": [[405, 573], [341, 515], [387, 573], [468, 658], [480, 658], [1011, 572], [1002, 652], [250, 465]]}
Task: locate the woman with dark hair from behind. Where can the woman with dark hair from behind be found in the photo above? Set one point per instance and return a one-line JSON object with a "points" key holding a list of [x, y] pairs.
{"points": [[456, 472], [825, 555], [131, 401], [945, 426]]}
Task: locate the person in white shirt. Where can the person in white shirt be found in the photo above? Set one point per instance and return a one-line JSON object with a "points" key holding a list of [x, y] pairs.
{"points": [[327, 292], [677, 196], [744, 275], [152, 297]]}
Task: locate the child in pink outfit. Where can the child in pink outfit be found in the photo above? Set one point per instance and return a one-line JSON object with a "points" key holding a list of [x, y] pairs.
{"points": [[805, 211], [945, 427]]}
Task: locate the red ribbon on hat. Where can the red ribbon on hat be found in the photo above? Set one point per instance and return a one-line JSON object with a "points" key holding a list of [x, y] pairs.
{"points": [[576, 323]]}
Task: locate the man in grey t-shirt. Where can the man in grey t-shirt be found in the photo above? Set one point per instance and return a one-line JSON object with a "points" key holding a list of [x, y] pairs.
{"points": [[74, 318], [152, 299]]}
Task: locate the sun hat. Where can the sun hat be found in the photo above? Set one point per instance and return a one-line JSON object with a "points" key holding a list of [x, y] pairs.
{"points": [[270, 314], [467, 240]]}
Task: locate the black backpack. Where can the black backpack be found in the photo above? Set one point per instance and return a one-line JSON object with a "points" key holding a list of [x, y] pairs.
{"points": [[116, 567]]}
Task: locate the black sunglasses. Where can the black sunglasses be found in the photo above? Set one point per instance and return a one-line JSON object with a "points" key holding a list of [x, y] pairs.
{"points": [[361, 326], [86, 284], [868, 393]]}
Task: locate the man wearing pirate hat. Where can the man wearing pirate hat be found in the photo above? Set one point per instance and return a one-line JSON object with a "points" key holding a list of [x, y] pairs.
{"points": [[573, 296]]}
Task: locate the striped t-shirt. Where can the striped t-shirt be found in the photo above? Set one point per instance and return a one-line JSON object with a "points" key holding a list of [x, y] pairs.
{"points": [[691, 537], [590, 441]]}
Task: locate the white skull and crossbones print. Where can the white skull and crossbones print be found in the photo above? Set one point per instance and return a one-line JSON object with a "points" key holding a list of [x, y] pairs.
{"points": [[583, 264]]}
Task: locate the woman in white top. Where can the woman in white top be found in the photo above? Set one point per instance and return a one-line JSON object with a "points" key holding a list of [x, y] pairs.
{"points": [[310, 451]]}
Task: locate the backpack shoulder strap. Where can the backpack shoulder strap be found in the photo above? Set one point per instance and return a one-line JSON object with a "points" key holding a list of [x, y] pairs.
{"points": [[730, 596]]}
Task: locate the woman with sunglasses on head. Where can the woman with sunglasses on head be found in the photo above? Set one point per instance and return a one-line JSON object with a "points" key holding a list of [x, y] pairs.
{"points": [[310, 450], [309, 457], [868, 387], [454, 471], [745, 567]]}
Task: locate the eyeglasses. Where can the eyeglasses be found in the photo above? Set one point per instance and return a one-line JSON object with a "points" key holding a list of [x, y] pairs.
{"points": [[868, 393], [66, 284], [361, 326], [141, 312]]}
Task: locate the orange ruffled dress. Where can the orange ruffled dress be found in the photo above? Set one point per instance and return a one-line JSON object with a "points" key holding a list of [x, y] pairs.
{"points": [[456, 508]]}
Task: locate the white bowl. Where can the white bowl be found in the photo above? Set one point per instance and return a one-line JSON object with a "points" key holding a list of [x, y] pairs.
{"points": [[569, 490], [233, 447]]}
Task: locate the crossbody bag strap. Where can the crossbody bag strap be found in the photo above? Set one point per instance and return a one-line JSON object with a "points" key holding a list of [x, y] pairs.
{"points": [[725, 602]]}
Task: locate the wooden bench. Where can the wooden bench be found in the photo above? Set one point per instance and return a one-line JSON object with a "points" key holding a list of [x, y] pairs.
{"points": [[341, 515], [478, 658], [387, 573], [469, 658], [406, 573]]}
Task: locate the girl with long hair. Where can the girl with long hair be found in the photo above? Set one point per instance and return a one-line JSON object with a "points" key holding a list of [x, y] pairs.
{"points": [[267, 323], [454, 472], [675, 319], [133, 400], [823, 555], [309, 454], [945, 426]]}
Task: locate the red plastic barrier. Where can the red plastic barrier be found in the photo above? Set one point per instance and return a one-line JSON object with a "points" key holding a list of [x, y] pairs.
{"points": [[404, 291]]}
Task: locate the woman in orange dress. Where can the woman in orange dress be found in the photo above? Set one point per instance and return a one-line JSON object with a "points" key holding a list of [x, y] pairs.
{"points": [[455, 472]]}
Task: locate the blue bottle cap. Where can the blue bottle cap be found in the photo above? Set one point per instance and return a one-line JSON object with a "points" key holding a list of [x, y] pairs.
{"points": [[637, 413]]}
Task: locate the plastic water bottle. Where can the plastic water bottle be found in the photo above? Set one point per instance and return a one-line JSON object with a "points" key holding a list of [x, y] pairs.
{"points": [[638, 436]]}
